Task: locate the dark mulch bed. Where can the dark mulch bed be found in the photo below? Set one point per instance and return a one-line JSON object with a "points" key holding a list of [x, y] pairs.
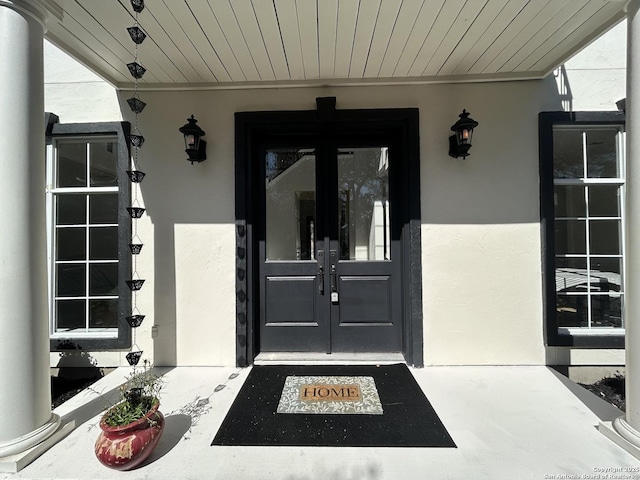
{"points": [[610, 389], [62, 389]]}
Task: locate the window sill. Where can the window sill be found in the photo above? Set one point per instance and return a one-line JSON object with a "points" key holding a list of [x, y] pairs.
{"points": [[591, 331], [107, 339], [87, 334], [574, 337]]}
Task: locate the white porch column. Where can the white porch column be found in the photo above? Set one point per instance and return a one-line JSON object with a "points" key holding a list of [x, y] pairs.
{"points": [[25, 389], [626, 430]]}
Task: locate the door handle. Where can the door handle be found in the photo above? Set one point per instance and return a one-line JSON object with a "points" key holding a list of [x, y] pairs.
{"points": [[321, 280], [334, 283]]}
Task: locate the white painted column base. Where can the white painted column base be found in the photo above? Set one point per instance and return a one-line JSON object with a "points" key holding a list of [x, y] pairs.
{"points": [[16, 462], [622, 434], [30, 439]]}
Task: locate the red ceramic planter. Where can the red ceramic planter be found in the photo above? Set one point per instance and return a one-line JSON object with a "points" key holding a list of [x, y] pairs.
{"points": [[125, 447]]}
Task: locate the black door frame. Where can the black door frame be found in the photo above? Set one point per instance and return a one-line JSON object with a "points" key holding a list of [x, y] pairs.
{"points": [[250, 127]]}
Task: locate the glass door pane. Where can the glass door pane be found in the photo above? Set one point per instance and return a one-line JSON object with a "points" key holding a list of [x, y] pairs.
{"points": [[290, 203], [363, 203]]}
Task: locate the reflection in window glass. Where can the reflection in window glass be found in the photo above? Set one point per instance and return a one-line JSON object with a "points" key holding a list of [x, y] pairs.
{"points": [[609, 268], [103, 209], [567, 154], [570, 201], [363, 203], [70, 314], [571, 236], [604, 237], [71, 209], [70, 280], [103, 243], [571, 275], [572, 310], [606, 311], [72, 164], [602, 155], [103, 279], [604, 201], [103, 164], [290, 203], [103, 313], [71, 243]]}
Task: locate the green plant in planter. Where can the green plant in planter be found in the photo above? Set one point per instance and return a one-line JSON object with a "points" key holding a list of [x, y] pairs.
{"points": [[139, 394], [131, 429]]}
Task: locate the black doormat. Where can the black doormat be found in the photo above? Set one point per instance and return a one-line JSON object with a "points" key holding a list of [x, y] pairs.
{"points": [[408, 419]]}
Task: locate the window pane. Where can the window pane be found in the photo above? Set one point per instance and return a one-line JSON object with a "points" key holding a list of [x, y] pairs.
{"points": [[571, 236], [71, 244], [610, 270], [572, 311], [570, 201], [72, 164], [103, 279], [604, 201], [103, 313], [604, 237], [70, 280], [571, 275], [103, 208], [71, 209], [602, 158], [363, 203], [606, 311], [70, 314], [103, 164], [567, 154], [103, 243], [290, 204]]}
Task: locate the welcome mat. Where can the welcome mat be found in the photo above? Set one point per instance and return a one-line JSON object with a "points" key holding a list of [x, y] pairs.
{"points": [[330, 395], [408, 419]]}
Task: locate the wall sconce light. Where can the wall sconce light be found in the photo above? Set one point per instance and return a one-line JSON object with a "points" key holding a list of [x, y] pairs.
{"points": [[195, 147], [460, 143]]}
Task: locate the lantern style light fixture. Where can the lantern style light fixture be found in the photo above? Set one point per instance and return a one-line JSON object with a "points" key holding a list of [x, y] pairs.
{"points": [[195, 147], [460, 142]]}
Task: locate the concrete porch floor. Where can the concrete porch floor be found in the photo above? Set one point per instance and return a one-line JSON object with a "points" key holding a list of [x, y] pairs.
{"points": [[508, 423]]}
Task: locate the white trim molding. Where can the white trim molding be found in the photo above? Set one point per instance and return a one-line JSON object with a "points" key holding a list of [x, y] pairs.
{"points": [[41, 11], [30, 439]]}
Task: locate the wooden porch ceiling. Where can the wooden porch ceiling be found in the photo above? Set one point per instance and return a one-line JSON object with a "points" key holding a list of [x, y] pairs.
{"points": [[236, 43]]}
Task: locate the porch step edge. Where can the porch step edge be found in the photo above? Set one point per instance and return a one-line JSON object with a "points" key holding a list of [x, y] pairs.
{"points": [[322, 358]]}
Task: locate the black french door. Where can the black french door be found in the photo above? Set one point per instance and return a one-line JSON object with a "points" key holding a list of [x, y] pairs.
{"points": [[329, 252]]}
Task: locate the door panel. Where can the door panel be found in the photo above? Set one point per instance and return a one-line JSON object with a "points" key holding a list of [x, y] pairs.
{"points": [[365, 300], [290, 301]]}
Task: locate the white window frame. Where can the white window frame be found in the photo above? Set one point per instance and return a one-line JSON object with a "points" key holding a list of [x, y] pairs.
{"points": [[585, 181], [51, 192]]}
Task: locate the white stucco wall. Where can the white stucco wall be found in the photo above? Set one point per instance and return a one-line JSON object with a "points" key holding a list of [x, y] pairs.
{"points": [[74, 93], [481, 260], [595, 78], [480, 236]]}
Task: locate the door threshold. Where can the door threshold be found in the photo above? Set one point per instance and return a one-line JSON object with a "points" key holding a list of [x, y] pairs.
{"points": [[321, 358]]}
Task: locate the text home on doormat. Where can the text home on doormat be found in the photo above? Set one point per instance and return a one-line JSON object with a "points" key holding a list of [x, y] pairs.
{"points": [[330, 395]]}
